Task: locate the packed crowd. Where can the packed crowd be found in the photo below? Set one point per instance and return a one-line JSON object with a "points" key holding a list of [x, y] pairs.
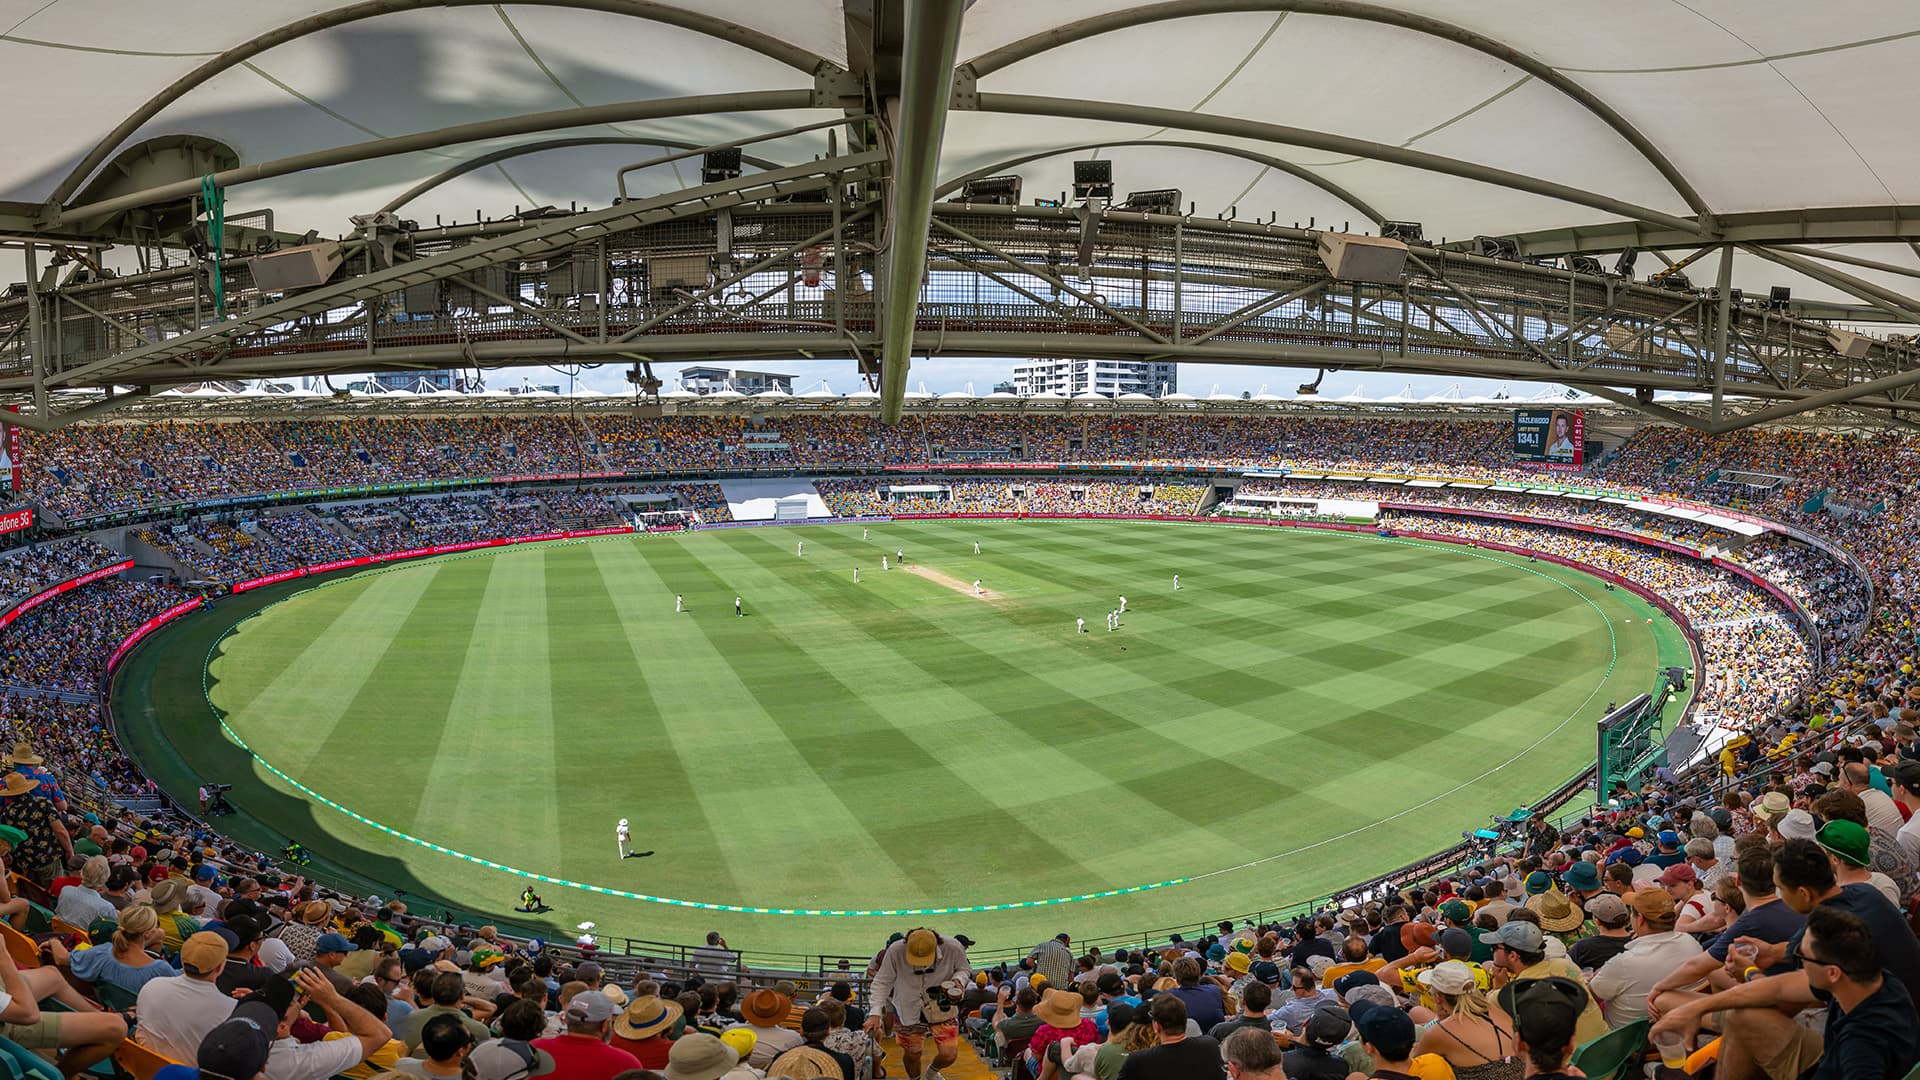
{"points": [[63, 645], [866, 497], [27, 571]]}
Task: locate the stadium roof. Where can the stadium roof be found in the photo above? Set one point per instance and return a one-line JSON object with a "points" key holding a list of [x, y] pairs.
{"points": [[1573, 126], [1724, 108]]}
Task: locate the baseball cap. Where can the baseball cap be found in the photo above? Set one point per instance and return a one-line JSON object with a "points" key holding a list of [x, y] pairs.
{"points": [[511, 1059], [1654, 905], [1451, 977], [1907, 775], [1637, 833], [1328, 1026], [1608, 910], [1456, 942], [1677, 873], [923, 947], [1386, 1027], [589, 1007], [1354, 980], [965, 941], [1668, 838], [1520, 935], [238, 1046], [1546, 1011], [204, 953], [334, 943], [1457, 910], [435, 944], [1822, 768], [206, 872], [587, 971], [1846, 841]]}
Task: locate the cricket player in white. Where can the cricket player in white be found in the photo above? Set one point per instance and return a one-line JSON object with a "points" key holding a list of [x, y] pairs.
{"points": [[736, 608], [883, 563], [1176, 583], [976, 547], [921, 979], [800, 549], [856, 575], [622, 837], [1123, 605], [678, 603], [976, 586], [1079, 626]]}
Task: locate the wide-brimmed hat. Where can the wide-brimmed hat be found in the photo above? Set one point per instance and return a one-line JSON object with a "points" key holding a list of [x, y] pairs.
{"points": [[1556, 911], [764, 1007], [23, 754], [315, 912], [1583, 876], [646, 1017], [168, 894], [699, 1056], [1061, 1008], [17, 784], [1772, 805], [1449, 977]]}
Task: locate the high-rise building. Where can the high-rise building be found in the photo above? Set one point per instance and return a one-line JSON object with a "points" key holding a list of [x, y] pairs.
{"points": [[1110, 378]]}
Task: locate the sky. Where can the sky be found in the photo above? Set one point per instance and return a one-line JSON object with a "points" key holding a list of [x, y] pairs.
{"points": [[939, 376]]}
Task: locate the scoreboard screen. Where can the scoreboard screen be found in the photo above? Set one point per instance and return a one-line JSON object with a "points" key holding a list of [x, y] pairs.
{"points": [[1550, 438]]}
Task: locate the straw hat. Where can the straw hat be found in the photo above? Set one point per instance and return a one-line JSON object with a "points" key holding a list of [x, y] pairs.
{"points": [[1556, 911], [316, 912], [646, 1017], [1061, 1008], [23, 754], [17, 784]]}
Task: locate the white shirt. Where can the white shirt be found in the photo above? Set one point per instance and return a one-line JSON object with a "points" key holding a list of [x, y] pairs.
{"points": [[1623, 982], [1881, 813], [203, 901], [897, 984], [177, 1012], [1909, 837], [293, 1060], [80, 905]]}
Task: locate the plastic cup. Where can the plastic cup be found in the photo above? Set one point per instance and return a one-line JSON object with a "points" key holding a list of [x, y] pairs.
{"points": [[1672, 1047]]}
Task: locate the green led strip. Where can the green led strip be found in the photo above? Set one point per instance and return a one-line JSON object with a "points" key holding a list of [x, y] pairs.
{"points": [[206, 690]]}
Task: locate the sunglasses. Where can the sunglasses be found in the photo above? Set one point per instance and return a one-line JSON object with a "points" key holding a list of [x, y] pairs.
{"points": [[1797, 955]]}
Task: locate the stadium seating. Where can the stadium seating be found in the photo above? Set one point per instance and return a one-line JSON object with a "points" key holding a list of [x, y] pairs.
{"points": [[1805, 708]]}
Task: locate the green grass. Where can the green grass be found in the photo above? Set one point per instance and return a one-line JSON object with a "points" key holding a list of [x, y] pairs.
{"points": [[1308, 710]]}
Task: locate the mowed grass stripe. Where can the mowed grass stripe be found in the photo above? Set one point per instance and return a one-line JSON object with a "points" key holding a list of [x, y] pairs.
{"points": [[908, 827], [290, 719], [500, 706], [395, 710], [752, 707], [976, 702], [676, 745]]}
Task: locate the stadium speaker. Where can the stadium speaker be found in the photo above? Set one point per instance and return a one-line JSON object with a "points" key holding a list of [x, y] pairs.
{"points": [[423, 299], [301, 267], [1407, 232], [678, 271], [1849, 344], [1351, 257]]}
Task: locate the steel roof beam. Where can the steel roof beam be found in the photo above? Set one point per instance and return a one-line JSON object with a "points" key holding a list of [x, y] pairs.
{"points": [[1814, 225], [1036, 44], [1299, 172], [1234, 127], [919, 126], [765, 44], [454, 172]]}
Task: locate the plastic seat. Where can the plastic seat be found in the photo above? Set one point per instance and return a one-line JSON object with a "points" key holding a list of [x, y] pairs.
{"points": [[27, 1064], [1613, 1055], [24, 950], [140, 1061]]}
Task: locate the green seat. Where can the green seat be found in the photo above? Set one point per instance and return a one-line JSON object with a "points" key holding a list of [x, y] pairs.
{"points": [[26, 1064], [39, 919], [117, 998], [1612, 1056]]}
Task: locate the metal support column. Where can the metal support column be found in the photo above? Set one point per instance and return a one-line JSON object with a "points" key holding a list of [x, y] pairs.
{"points": [[36, 332], [1722, 322], [926, 87]]}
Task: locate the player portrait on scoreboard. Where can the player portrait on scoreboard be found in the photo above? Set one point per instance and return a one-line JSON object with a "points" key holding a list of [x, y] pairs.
{"points": [[1562, 437]]}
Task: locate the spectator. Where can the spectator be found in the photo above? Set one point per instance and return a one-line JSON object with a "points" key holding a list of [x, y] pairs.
{"points": [[177, 1013], [1252, 1054], [583, 1051], [1656, 951], [813, 1058], [646, 1029], [1546, 1020], [126, 965], [1520, 950], [446, 1043], [447, 991], [1176, 1056], [1254, 1000], [1474, 1038]]}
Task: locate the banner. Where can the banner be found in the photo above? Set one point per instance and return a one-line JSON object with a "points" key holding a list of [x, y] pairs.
{"points": [[15, 520], [45, 595], [1550, 438], [149, 627], [10, 452]]}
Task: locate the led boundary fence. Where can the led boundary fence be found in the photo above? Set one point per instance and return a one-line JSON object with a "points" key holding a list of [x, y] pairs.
{"points": [[475, 549]]}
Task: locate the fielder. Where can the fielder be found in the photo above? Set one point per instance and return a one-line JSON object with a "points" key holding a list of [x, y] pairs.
{"points": [[622, 837], [883, 563], [976, 547], [1079, 626], [976, 586], [863, 533], [736, 609], [1123, 605], [800, 549], [679, 603], [856, 575], [1176, 583]]}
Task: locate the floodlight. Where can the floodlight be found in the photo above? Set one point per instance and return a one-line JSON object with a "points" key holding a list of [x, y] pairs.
{"points": [[1159, 200], [719, 165], [1408, 232], [1497, 247], [1779, 297], [992, 190], [1623, 266], [1674, 281], [1585, 264], [1093, 180]]}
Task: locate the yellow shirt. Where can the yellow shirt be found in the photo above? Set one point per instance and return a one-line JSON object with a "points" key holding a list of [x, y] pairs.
{"points": [[380, 1061]]}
